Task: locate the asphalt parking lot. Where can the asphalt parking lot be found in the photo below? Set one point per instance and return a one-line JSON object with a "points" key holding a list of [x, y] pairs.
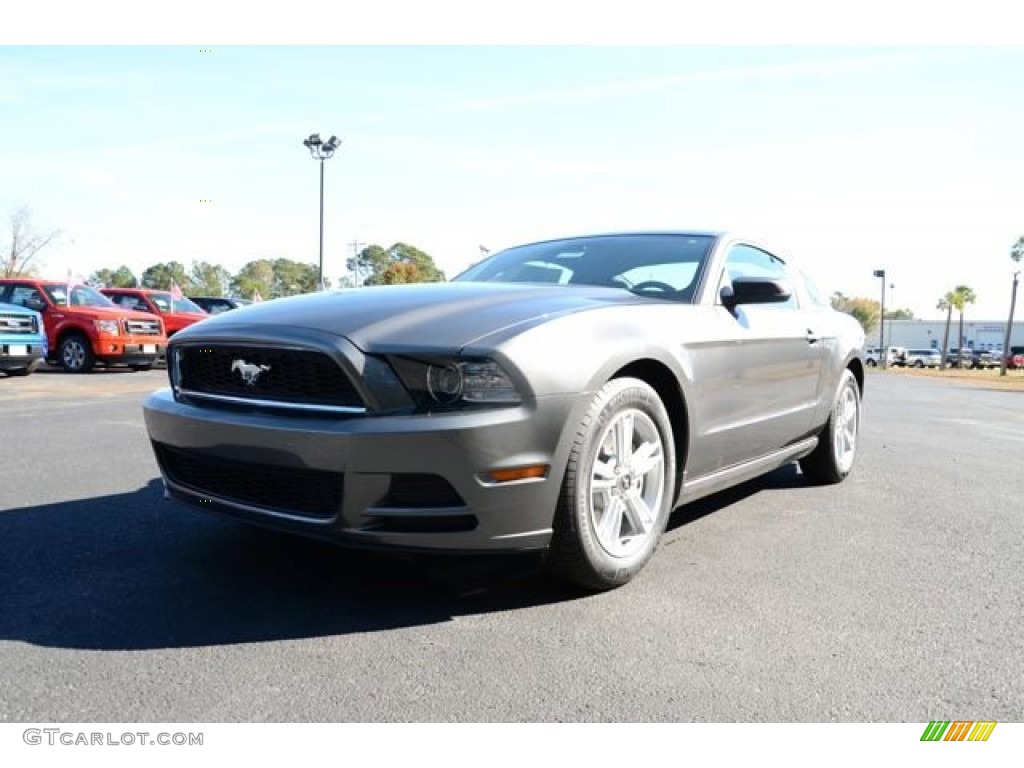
{"points": [[897, 596]]}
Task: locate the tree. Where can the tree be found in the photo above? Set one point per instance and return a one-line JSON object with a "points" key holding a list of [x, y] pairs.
{"points": [[208, 279], [401, 263], [122, 277], [160, 276], [867, 311], [1016, 254], [899, 314], [956, 299], [274, 278], [25, 244], [946, 304]]}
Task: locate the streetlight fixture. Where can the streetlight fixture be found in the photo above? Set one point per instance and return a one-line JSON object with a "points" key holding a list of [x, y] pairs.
{"points": [[321, 150], [883, 354]]}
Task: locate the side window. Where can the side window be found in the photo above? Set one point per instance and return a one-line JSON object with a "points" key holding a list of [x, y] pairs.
{"points": [[747, 261], [26, 296]]}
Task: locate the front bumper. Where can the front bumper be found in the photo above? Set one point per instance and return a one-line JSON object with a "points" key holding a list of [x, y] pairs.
{"points": [[20, 354], [398, 481], [129, 350]]}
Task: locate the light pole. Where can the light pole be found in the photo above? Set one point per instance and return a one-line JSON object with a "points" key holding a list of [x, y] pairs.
{"points": [[321, 150], [892, 300], [883, 355]]}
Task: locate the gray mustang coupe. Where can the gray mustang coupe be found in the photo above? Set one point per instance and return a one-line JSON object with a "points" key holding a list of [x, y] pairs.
{"points": [[563, 396]]}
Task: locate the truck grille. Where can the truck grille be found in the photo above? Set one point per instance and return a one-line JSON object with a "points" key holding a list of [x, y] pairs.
{"points": [[142, 327], [291, 377], [18, 324], [309, 492]]}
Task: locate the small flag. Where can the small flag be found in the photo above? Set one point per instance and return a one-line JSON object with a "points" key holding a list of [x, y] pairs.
{"points": [[176, 293]]}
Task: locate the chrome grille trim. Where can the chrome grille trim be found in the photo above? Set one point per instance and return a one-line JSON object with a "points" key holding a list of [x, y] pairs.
{"points": [[10, 323], [275, 404], [142, 327]]}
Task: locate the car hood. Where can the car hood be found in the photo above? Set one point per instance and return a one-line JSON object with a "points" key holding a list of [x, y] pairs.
{"points": [[103, 313], [434, 316]]}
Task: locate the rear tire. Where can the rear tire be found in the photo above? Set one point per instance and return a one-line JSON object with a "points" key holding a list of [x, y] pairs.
{"points": [[76, 354], [618, 489], [833, 459]]}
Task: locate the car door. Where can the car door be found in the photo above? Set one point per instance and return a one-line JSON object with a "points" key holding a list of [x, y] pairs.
{"points": [[759, 378]]}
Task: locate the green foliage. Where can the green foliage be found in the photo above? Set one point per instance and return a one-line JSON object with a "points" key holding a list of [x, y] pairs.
{"points": [[1017, 251], [401, 263], [122, 277], [160, 276], [899, 314], [274, 278], [208, 279], [866, 311]]}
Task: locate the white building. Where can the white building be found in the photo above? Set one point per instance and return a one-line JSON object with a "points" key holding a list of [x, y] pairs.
{"points": [[925, 334]]}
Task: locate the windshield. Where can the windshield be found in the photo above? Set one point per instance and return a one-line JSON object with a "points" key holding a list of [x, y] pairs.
{"points": [[164, 302], [664, 266], [81, 296]]}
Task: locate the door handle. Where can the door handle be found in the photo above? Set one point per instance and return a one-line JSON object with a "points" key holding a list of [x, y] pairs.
{"points": [[812, 337]]}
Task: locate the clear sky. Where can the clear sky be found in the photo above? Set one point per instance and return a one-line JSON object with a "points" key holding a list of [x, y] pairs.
{"points": [[848, 159]]}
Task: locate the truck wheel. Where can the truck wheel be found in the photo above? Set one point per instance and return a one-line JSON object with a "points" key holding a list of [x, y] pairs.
{"points": [[76, 354]]}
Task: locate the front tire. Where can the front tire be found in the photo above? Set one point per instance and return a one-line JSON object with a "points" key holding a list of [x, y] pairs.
{"points": [[833, 459], [618, 489], [76, 354]]}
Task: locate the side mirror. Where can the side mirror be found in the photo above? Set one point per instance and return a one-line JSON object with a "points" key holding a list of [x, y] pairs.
{"points": [[754, 290], [34, 302]]}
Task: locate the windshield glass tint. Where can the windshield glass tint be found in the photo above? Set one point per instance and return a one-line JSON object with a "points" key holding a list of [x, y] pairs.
{"points": [[664, 266], [81, 296]]}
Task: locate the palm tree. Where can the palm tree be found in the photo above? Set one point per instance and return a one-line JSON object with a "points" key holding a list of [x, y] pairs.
{"points": [[946, 304], [1016, 253], [962, 296]]}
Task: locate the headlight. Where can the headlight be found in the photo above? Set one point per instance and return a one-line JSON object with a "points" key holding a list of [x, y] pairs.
{"points": [[109, 327], [451, 383]]}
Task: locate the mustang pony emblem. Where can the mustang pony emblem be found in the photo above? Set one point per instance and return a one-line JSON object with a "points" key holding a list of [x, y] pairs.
{"points": [[250, 371]]}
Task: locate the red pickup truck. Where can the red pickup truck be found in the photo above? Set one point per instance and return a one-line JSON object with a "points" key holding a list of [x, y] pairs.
{"points": [[176, 313], [84, 328]]}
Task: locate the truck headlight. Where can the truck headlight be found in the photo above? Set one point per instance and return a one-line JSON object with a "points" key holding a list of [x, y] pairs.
{"points": [[107, 327]]}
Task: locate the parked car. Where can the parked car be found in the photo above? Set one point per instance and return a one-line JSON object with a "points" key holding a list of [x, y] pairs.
{"points": [[896, 356], [175, 313], [563, 396], [1015, 357], [983, 358], [83, 327], [923, 358], [217, 304], [22, 340], [954, 360]]}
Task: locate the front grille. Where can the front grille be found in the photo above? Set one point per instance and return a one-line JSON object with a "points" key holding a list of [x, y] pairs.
{"points": [[290, 376], [142, 327], [18, 324], [309, 492]]}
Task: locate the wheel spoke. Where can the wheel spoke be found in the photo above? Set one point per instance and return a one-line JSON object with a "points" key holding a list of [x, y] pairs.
{"points": [[647, 457], [603, 470], [640, 516], [610, 527], [624, 437]]}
